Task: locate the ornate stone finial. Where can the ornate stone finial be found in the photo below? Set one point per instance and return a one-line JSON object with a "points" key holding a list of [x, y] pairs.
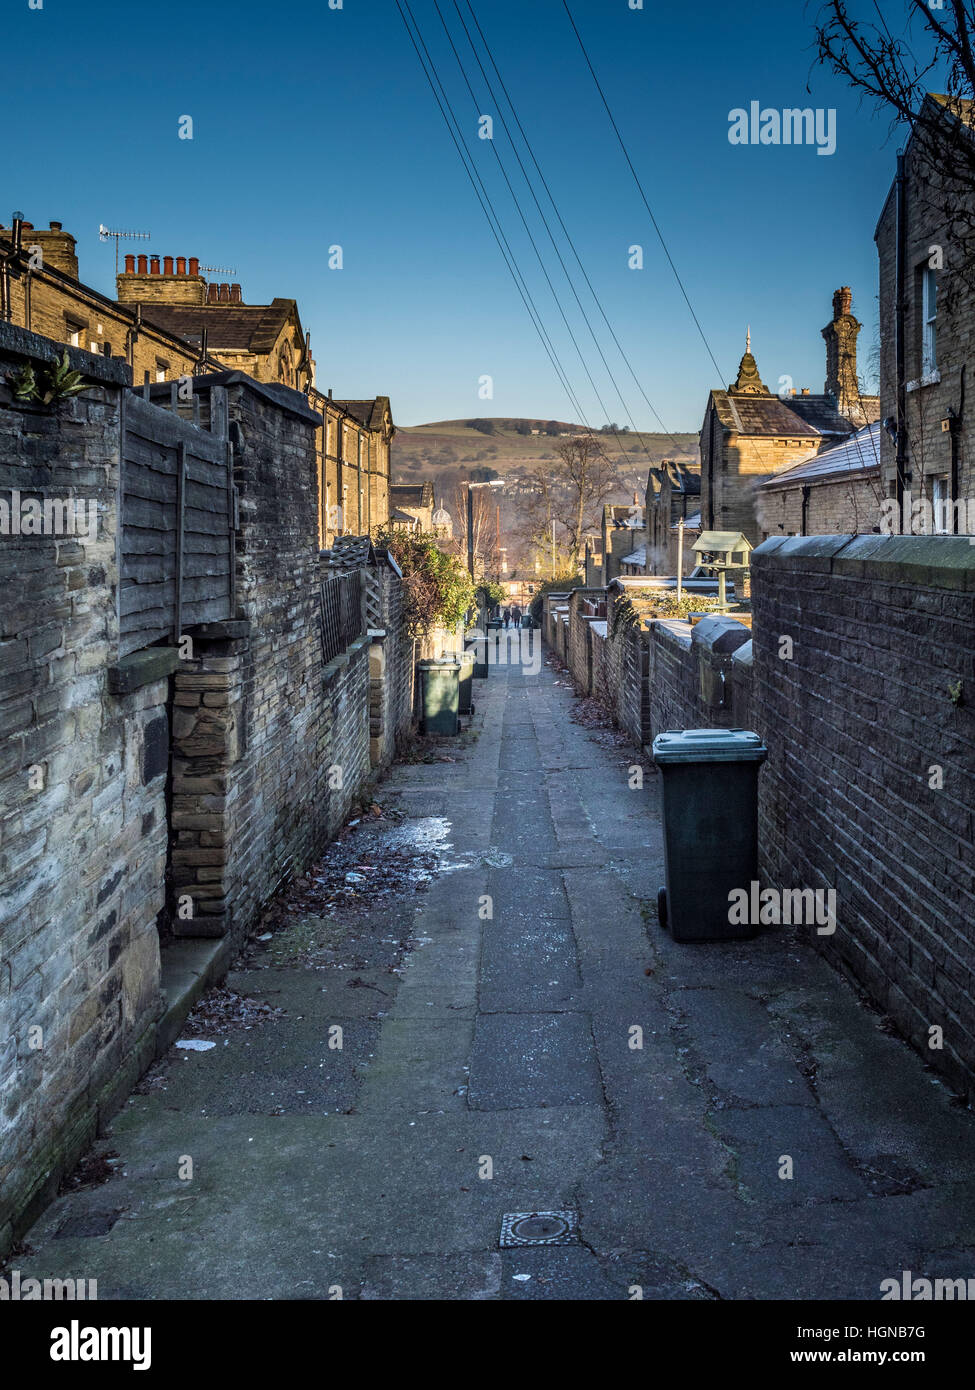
{"points": [[748, 381]]}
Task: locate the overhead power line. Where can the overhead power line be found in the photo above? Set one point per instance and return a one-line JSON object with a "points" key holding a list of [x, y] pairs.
{"points": [[646, 202], [551, 237], [561, 221], [484, 199], [531, 238]]}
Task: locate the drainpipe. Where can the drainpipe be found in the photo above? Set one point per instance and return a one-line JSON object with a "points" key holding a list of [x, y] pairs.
{"points": [[953, 437], [900, 200], [804, 513]]}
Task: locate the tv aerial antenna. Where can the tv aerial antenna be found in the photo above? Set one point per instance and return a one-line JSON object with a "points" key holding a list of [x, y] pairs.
{"points": [[106, 234], [218, 269]]}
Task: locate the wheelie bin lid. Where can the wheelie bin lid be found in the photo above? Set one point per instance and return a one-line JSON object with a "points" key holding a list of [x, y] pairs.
{"points": [[439, 663], [708, 746]]}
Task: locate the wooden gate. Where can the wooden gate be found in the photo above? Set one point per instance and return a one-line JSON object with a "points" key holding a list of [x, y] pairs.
{"points": [[178, 506]]}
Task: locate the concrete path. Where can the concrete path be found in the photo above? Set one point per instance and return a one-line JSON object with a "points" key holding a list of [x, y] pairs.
{"points": [[505, 1045]]}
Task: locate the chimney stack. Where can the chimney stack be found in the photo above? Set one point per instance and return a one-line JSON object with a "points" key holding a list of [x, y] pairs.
{"points": [[841, 354]]}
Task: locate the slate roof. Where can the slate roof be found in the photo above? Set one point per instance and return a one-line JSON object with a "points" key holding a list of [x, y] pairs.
{"points": [[411, 494], [762, 415], [748, 407], [682, 478], [860, 453], [233, 327], [369, 413], [637, 557]]}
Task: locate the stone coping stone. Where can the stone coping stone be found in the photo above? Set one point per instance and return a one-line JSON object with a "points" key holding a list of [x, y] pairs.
{"points": [[101, 371], [743, 656], [940, 562], [339, 663], [674, 630], [720, 634], [142, 668]]}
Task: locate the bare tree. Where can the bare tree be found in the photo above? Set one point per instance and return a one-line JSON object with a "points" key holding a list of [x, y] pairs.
{"points": [[937, 45], [570, 492]]}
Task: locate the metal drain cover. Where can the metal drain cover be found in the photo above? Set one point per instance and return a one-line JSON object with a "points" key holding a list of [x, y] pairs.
{"points": [[539, 1228]]}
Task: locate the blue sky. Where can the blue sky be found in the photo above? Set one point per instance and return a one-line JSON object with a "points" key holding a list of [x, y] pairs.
{"points": [[315, 127]]}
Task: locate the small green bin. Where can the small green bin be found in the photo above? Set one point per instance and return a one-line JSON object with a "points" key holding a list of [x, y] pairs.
{"points": [[477, 646], [439, 695], [468, 661], [709, 790]]}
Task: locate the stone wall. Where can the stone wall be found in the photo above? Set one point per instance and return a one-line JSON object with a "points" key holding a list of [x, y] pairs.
{"points": [[231, 761], [870, 782], [844, 506], [392, 674], [83, 829], [270, 746], [930, 214]]}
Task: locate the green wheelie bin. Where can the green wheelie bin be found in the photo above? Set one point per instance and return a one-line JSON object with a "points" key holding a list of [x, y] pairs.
{"points": [[439, 695], [709, 791]]}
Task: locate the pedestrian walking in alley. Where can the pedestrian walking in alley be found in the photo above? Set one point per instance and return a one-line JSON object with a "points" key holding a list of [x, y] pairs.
{"points": [[506, 617], [516, 616]]}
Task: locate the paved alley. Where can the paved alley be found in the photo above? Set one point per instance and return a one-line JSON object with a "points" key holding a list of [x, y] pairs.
{"points": [[545, 1048]]}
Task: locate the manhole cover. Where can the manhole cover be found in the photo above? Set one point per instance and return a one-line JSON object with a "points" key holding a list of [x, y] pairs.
{"points": [[538, 1228]]}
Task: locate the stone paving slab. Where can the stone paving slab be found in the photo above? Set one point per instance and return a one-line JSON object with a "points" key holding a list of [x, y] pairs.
{"points": [[536, 1059], [557, 1052]]}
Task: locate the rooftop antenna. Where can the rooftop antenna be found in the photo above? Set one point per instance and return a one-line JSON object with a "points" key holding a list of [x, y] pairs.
{"points": [[218, 269], [105, 233]]}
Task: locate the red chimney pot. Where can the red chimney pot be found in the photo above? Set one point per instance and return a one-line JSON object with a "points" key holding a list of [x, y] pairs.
{"points": [[167, 265], [130, 264], [235, 297], [143, 266], [224, 293], [153, 265], [180, 265], [194, 265]]}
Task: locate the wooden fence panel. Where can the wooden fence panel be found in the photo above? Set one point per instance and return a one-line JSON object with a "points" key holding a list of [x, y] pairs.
{"points": [[176, 551]]}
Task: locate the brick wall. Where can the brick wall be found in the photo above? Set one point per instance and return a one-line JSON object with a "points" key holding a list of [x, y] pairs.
{"points": [[82, 797], [857, 722]]}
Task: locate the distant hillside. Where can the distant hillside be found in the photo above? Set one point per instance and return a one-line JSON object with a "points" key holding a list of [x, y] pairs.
{"points": [[447, 452]]}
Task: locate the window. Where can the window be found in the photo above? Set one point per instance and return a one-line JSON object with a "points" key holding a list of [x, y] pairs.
{"points": [[74, 331], [161, 369], [941, 505], [929, 316]]}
